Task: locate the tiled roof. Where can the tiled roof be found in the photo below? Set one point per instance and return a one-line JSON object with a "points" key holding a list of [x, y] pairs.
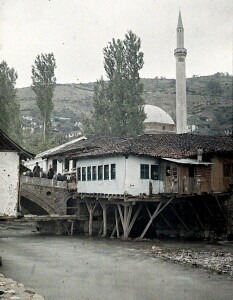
{"points": [[156, 145], [6, 143]]}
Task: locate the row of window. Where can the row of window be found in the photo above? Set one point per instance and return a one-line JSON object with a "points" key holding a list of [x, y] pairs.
{"points": [[101, 172]]}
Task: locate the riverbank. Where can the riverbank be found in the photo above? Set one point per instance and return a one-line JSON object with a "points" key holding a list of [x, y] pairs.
{"points": [[12, 290], [216, 258]]}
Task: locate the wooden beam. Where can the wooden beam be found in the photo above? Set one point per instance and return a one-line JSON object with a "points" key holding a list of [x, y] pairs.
{"points": [[91, 208], [104, 207], [195, 212], [179, 218], [166, 221], [223, 213], [157, 211], [134, 219]]}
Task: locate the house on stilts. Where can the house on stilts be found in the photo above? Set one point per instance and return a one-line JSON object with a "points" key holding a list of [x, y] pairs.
{"points": [[153, 184]]}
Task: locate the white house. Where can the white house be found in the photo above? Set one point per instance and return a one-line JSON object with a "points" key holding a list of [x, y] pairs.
{"points": [[10, 156]]}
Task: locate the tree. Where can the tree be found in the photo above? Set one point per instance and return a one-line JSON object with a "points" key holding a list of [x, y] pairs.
{"points": [[9, 108], [43, 84], [118, 104]]}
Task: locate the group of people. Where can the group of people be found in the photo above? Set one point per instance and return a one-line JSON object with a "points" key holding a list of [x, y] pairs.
{"points": [[38, 172]]}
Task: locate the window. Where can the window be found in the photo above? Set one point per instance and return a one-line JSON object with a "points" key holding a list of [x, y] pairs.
{"points": [[106, 172], [74, 163], [100, 172], [54, 165], [79, 174], [144, 171], [67, 162], [191, 171], [88, 173], [113, 171], [83, 173], [154, 172], [94, 173], [175, 174], [168, 171]]}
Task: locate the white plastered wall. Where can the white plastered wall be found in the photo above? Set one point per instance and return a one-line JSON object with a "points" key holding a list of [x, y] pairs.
{"points": [[9, 183], [127, 176]]}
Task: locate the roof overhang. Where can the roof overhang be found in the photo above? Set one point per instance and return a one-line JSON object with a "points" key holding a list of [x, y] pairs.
{"points": [[187, 161]]}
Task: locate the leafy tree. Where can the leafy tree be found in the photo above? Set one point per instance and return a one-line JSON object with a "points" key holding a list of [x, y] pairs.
{"points": [[43, 84], [118, 104], [9, 108], [214, 86]]}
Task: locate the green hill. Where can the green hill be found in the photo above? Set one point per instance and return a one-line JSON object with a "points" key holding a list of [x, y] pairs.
{"points": [[209, 101]]}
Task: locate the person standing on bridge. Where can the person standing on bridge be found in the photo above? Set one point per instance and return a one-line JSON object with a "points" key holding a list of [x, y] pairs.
{"points": [[50, 172], [36, 170]]}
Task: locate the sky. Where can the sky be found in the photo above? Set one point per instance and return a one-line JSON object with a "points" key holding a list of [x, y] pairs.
{"points": [[76, 31]]}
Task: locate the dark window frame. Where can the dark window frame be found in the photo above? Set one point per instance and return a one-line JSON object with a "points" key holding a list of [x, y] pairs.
{"points": [[144, 171], [100, 172], [106, 172], [89, 173], [113, 171], [154, 168], [84, 174], [79, 174], [94, 174]]}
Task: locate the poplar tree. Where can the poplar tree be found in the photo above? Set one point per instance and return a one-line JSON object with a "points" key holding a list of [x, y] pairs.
{"points": [[118, 103], [9, 108], [43, 84]]}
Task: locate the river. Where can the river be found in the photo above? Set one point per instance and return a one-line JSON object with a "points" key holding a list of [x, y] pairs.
{"points": [[79, 268]]}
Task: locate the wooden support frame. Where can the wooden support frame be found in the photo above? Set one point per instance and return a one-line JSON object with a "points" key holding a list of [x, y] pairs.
{"points": [[161, 206], [116, 227], [104, 208], [179, 218], [196, 214], [125, 218], [91, 208]]}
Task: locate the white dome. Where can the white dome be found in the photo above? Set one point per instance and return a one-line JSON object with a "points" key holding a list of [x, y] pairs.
{"points": [[157, 114]]}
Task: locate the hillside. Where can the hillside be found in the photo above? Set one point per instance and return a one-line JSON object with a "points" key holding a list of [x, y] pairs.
{"points": [[209, 101]]}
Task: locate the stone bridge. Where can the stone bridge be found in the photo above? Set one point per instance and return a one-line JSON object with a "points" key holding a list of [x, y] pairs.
{"points": [[41, 196]]}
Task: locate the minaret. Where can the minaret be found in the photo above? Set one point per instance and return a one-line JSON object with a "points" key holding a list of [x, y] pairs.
{"points": [[180, 54]]}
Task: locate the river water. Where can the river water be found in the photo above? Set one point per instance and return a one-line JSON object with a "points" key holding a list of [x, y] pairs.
{"points": [[79, 268]]}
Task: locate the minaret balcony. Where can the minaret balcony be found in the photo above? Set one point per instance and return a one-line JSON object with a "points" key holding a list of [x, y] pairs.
{"points": [[180, 52]]}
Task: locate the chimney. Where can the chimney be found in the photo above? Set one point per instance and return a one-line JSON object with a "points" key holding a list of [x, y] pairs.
{"points": [[199, 154]]}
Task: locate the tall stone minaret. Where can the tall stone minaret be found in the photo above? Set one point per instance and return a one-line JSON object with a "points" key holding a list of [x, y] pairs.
{"points": [[180, 54]]}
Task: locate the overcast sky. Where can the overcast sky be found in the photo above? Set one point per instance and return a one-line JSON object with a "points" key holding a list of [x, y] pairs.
{"points": [[76, 31]]}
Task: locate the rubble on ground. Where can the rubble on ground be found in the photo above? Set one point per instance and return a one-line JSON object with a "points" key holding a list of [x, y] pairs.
{"points": [[217, 261], [12, 290]]}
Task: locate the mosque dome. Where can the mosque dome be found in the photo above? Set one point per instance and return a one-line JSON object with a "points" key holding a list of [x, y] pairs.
{"points": [[155, 114]]}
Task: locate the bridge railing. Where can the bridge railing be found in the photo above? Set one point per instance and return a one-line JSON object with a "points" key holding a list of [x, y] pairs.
{"points": [[43, 181]]}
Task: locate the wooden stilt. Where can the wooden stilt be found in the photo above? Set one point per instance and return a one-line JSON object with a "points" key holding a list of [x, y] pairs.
{"points": [[116, 227], [157, 211], [91, 208], [179, 218], [208, 209], [166, 221], [104, 207], [134, 219], [125, 219], [195, 212], [223, 213]]}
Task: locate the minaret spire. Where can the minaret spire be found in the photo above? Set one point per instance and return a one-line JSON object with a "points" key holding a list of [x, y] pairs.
{"points": [[180, 54]]}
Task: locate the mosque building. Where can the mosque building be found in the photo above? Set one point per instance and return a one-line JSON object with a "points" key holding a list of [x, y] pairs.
{"points": [[158, 120]]}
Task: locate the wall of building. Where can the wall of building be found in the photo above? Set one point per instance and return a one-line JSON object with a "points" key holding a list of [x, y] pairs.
{"points": [[153, 128], [9, 178], [127, 177], [219, 181]]}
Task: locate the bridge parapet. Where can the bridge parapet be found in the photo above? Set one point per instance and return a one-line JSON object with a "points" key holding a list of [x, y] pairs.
{"points": [[43, 182]]}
